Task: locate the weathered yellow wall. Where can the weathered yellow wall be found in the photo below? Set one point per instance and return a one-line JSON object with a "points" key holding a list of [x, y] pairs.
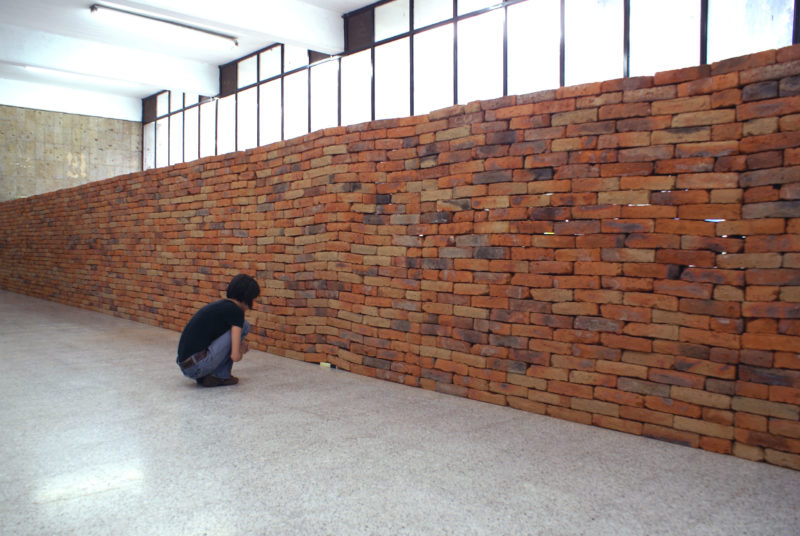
{"points": [[45, 151]]}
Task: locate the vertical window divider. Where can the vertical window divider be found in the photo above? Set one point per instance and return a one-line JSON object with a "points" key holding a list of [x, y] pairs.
{"points": [[199, 124], [183, 127], [505, 50], [626, 38], [455, 52], [258, 100], [704, 32], [411, 55], [169, 124], [283, 112], [216, 126], [339, 92], [372, 76], [308, 84], [796, 23], [562, 57]]}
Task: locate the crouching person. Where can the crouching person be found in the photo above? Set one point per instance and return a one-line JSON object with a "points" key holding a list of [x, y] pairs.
{"points": [[214, 337]]}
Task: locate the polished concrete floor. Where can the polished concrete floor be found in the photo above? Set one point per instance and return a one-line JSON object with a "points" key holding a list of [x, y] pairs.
{"points": [[102, 435]]}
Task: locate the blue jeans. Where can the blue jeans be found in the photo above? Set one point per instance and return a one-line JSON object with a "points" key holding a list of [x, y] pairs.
{"points": [[217, 359]]}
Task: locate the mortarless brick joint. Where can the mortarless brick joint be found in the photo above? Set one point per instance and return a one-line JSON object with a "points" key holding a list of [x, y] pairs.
{"points": [[624, 254]]}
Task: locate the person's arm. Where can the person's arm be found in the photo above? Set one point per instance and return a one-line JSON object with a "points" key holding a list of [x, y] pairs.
{"points": [[237, 351]]}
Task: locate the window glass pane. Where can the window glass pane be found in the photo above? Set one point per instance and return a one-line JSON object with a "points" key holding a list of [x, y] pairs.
{"points": [[162, 142], [593, 40], [175, 101], [294, 57], [433, 69], [149, 146], [325, 95], [654, 26], [533, 72], [270, 63], [428, 12], [269, 109], [480, 57], [191, 98], [226, 124], [739, 27], [356, 88], [391, 19], [208, 128], [162, 103], [176, 138], [247, 72], [191, 131], [295, 102], [246, 119], [393, 80], [468, 6]]}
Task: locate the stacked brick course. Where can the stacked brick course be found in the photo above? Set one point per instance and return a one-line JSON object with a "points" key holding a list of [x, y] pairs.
{"points": [[624, 254]]}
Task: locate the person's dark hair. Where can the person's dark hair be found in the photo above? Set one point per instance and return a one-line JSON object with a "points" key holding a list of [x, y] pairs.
{"points": [[243, 288]]}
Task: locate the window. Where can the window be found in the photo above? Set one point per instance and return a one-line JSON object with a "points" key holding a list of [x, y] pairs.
{"points": [[162, 142], [529, 72], [226, 124], [480, 57], [356, 88], [208, 128], [270, 115], [247, 119], [654, 27], [270, 63], [427, 12], [433, 69], [391, 19], [295, 103], [176, 138], [247, 72], [739, 27], [149, 146], [294, 58], [415, 56], [468, 6], [325, 95], [191, 134], [393, 79], [593, 37]]}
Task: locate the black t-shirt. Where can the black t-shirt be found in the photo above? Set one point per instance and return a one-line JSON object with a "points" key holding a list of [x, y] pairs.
{"points": [[207, 324]]}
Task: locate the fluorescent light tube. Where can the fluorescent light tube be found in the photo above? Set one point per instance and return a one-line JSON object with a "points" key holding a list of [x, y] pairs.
{"points": [[159, 29]]}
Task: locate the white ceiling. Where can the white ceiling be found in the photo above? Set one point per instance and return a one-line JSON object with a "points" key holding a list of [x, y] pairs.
{"points": [[126, 65]]}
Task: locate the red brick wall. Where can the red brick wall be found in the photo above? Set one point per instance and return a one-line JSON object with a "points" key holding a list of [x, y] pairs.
{"points": [[624, 254]]}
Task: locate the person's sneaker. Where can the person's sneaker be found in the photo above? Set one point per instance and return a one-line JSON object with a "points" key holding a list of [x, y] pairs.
{"points": [[213, 381]]}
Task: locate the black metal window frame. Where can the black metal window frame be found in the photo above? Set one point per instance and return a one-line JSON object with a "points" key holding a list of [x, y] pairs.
{"points": [[360, 36]]}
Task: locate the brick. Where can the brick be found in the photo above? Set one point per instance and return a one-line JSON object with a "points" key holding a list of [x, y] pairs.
{"points": [[670, 435], [768, 108], [784, 459], [621, 111], [769, 142], [700, 397], [703, 427], [763, 407], [770, 72], [570, 415], [709, 117], [620, 425]]}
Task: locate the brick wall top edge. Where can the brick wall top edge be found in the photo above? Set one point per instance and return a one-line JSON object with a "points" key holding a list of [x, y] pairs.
{"points": [[282, 148]]}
